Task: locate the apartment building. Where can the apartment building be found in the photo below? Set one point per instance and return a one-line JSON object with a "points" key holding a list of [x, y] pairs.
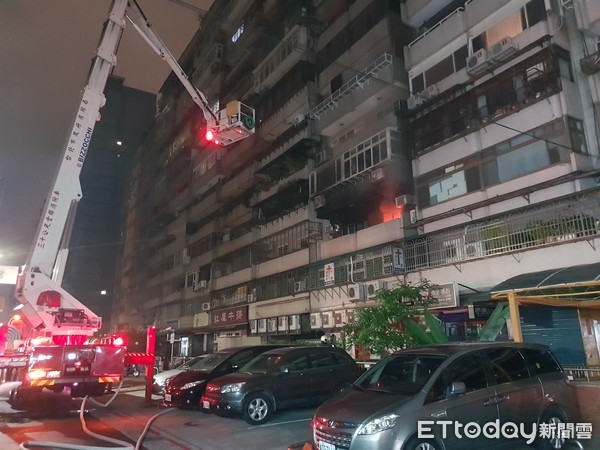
{"points": [[452, 141], [504, 137]]}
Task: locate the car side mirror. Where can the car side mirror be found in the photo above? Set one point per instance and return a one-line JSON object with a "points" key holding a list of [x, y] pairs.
{"points": [[455, 389]]}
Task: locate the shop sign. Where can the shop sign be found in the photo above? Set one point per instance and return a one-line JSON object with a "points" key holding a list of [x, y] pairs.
{"points": [[446, 296], [230, 316]]}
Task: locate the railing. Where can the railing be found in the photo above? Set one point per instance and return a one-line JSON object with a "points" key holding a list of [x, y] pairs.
{"points": [[457, 10], [583, 373], [358, 81], [568, 220]]}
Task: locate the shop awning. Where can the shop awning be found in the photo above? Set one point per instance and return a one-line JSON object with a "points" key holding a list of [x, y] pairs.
{"points": [[576, 286]]}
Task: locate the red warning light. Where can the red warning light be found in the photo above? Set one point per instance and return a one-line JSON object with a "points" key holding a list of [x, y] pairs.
{"points": [[209, 135], [118, 341]]}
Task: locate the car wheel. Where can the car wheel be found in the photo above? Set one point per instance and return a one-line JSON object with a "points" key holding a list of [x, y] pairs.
{"points": [[556, 421], [422, 444], [258, 409]]}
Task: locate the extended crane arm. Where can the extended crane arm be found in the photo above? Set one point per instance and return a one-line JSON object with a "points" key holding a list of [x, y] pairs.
{"points": [[47, 306]]}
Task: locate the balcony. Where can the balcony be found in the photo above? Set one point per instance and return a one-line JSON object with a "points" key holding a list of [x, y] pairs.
{"points": [[572, 219], [416, 12], [591, 64], [291, 49], [358, 90], [435, 38]]}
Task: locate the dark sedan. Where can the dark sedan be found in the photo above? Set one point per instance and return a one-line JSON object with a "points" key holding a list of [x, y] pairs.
{"points": [[186, 388], [284, 378]]}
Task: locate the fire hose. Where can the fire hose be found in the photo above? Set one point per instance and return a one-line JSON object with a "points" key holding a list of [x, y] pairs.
{"points": [[27, 445]]}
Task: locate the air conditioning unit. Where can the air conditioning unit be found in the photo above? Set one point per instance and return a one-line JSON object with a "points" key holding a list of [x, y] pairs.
{"points": [[300, 286], [315, 320], [371, 287], [253, 326], [478, 62], [503, 49], [377, 175], [200, 284], [327, 318], [339, 318], [294, 322], [356, 292], [272, 325], [431, 91], [262, 326], [206, 306], [319, 201], [452, 250], [405, 200], [320, 157], [282, 323], [475, 250], [415, 101], [298, 119]]}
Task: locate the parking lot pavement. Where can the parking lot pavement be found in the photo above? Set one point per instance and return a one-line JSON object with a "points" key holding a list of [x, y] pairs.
{"points": [[194, 430]]}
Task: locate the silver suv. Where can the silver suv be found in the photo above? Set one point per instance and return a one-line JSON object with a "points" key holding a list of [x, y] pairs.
{"points": [[453, 396]]}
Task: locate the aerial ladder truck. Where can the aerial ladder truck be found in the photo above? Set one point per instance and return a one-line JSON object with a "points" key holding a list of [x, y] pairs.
{"points": [[60, 350]]}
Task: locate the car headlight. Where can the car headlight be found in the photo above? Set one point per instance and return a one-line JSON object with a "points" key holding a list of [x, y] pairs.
{"points": [[231, 388], [192, 384], [162, 381], [379, 424]]}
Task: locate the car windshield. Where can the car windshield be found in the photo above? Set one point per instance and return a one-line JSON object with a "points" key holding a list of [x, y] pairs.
{"points": [[211, 361], [262, 363], [400, 374], [191, 363]]}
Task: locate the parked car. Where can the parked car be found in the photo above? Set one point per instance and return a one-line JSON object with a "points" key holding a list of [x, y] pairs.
{"points": [[278, 379], [481, 383], [186, 388], [161, 379]]}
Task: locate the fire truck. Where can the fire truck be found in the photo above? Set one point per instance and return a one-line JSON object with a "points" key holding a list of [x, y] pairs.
{"points": [[59, 350]]}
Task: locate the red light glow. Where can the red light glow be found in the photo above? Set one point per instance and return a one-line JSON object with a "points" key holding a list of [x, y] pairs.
{"points": [[209, 135], [118, 341]]}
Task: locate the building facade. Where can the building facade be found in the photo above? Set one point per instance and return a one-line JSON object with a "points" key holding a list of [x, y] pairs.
{"points": [[454, 141]]}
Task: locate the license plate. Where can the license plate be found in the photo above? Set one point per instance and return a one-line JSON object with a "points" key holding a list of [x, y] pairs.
{"points": [[326, 446], [167, 397], [205, 404]]}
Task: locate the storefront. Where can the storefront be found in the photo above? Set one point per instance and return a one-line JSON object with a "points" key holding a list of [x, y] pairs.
{"points": [[559, 308]]}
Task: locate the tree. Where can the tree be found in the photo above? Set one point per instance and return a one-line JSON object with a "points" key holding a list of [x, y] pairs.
{"points": [[401, 319], [386, 327]]}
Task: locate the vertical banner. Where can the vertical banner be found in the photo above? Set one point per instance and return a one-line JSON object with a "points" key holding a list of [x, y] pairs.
{"points": [[329, 270]]}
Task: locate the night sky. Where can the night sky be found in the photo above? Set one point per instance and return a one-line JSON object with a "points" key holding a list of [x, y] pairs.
{"points": [[46, 48]]}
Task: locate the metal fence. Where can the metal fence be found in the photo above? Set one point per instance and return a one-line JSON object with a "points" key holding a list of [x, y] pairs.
{"points": [[583, 373], [568, 220]]}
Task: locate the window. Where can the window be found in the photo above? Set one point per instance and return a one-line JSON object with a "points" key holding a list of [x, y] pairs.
{"points": [[540, 362], [564, 68], [297, 363], [185, 346], [513, 158], [321, 360], [242, 358], [469, 369], [507, 365], [577, 135], [237, 33]]}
